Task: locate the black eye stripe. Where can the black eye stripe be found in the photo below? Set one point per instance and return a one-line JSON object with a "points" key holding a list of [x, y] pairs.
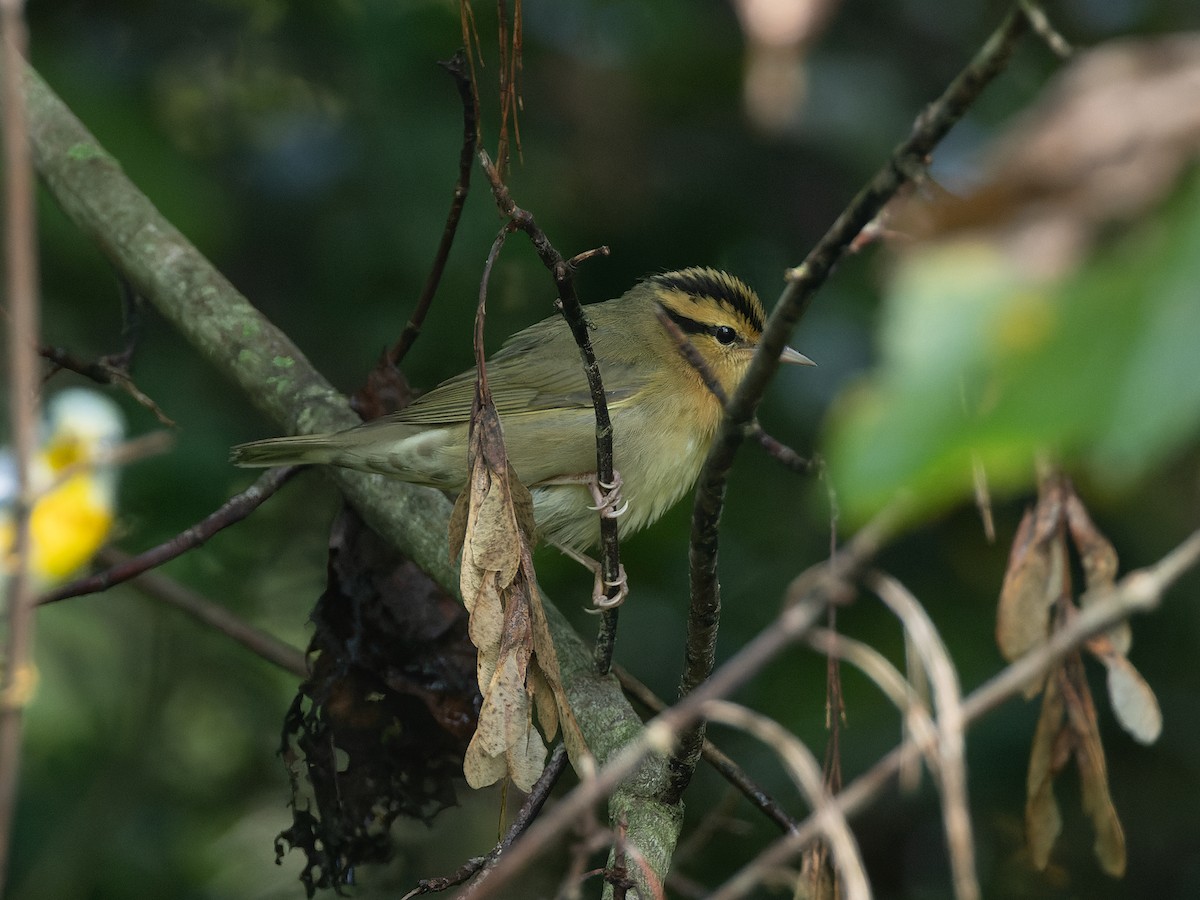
{"points": [[723, 333]]}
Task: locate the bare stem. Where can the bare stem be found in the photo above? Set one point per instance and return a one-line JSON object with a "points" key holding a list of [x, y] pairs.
{"points": [[568, 304], [232, 511], [458, 69], [21, 289]]}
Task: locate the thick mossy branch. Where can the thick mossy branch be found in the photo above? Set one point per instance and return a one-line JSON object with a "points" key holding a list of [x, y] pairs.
{"points": [[245, 347]]}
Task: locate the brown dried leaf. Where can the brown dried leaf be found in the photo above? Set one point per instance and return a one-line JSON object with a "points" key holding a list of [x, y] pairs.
{"points": [[544, 701], [517, 664], [547, 657], [1093, 773], [1043, 822], [1133, 702], [494, 538], [480, 768], [486, 626], [1099, 560], [1032, 584], [526, 759], [458, 524], [504, 717]]}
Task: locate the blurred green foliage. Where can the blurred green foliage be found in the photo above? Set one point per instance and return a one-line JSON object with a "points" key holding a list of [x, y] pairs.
{"points": [[309, 149], [981, 361]]}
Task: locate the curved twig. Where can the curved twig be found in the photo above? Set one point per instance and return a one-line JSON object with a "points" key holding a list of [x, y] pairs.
{"points": [[806, 773], [952, 767]]}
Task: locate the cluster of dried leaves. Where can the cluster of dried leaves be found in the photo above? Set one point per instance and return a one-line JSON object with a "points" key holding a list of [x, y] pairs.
{"points": [[492, 526], [378, 729], [1037, 596]]}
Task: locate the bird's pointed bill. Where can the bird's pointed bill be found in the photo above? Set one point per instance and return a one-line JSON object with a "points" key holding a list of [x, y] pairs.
{"points": [[795, 356]]}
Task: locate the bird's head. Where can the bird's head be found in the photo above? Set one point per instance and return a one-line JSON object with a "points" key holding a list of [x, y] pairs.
{"points": [[721, 317]]}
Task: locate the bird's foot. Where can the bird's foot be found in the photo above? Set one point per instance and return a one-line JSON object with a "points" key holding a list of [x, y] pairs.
{"points": [[600, 599], [601, 602], [607, 496]]}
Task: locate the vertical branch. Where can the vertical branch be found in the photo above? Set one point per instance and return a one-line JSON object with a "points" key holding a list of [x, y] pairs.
{"points": [[21, 287], [460, 72], [568, 303], [905, 161]]}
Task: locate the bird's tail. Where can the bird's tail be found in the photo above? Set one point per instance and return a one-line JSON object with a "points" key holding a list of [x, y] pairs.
{"points": [[287, 451]]}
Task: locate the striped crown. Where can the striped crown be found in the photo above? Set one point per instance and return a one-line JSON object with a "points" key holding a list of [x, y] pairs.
{"points": [[729, 293]]}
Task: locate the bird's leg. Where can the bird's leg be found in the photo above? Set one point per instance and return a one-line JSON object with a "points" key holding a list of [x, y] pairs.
{"points": [[607, 496], [600, 598]]}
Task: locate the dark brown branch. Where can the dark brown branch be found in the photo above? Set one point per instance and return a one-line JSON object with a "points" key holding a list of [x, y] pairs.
{"points": [[233, 510], [776, 449], [112, 368], [568, 303], [714, 756], [457, 67], [105, 370], [213, 615], [533, 804], [908, 158]]}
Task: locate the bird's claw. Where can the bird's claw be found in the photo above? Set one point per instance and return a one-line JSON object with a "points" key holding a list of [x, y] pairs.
{"points": [[600, 599], [608, 497]]}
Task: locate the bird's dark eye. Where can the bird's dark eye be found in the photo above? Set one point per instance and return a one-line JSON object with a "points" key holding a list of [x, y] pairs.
{"points": [[724, 334]]}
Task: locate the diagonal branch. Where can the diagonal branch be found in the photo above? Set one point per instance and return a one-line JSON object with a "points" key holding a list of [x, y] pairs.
{"points": [[232, 511], [1139, 591], [243, 346], [906, 159]]}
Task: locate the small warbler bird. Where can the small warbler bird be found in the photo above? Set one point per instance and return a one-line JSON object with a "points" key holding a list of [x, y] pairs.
{"points": [[74, 483], [664, 417]]}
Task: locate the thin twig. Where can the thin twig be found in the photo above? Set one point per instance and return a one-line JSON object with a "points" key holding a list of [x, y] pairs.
{"points": [[714, 756], [21, 291], [804, 771], [529, 810], [213, 615], [775, 448], [951, 753], [1139, 591], [233, 510], [457, 68], [568, 304], [106, 370], [1044, 29], [888, 679], [907, 159]]}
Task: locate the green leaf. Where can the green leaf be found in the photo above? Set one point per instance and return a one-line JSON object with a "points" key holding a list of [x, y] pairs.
{"points": [[980, 359]]}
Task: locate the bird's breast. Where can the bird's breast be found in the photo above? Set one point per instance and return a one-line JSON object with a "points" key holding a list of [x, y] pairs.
{"points": [[659, 444]]}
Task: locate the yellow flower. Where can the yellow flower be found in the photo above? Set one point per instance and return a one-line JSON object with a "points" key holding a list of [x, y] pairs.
{"points": [[73, 480]]}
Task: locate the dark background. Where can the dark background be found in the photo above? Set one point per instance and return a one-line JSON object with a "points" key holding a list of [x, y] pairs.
{"points": [[309, 149]]}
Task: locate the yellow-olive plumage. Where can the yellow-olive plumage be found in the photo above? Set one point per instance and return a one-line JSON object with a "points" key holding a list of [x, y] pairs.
{"points": [[664, 417]]}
